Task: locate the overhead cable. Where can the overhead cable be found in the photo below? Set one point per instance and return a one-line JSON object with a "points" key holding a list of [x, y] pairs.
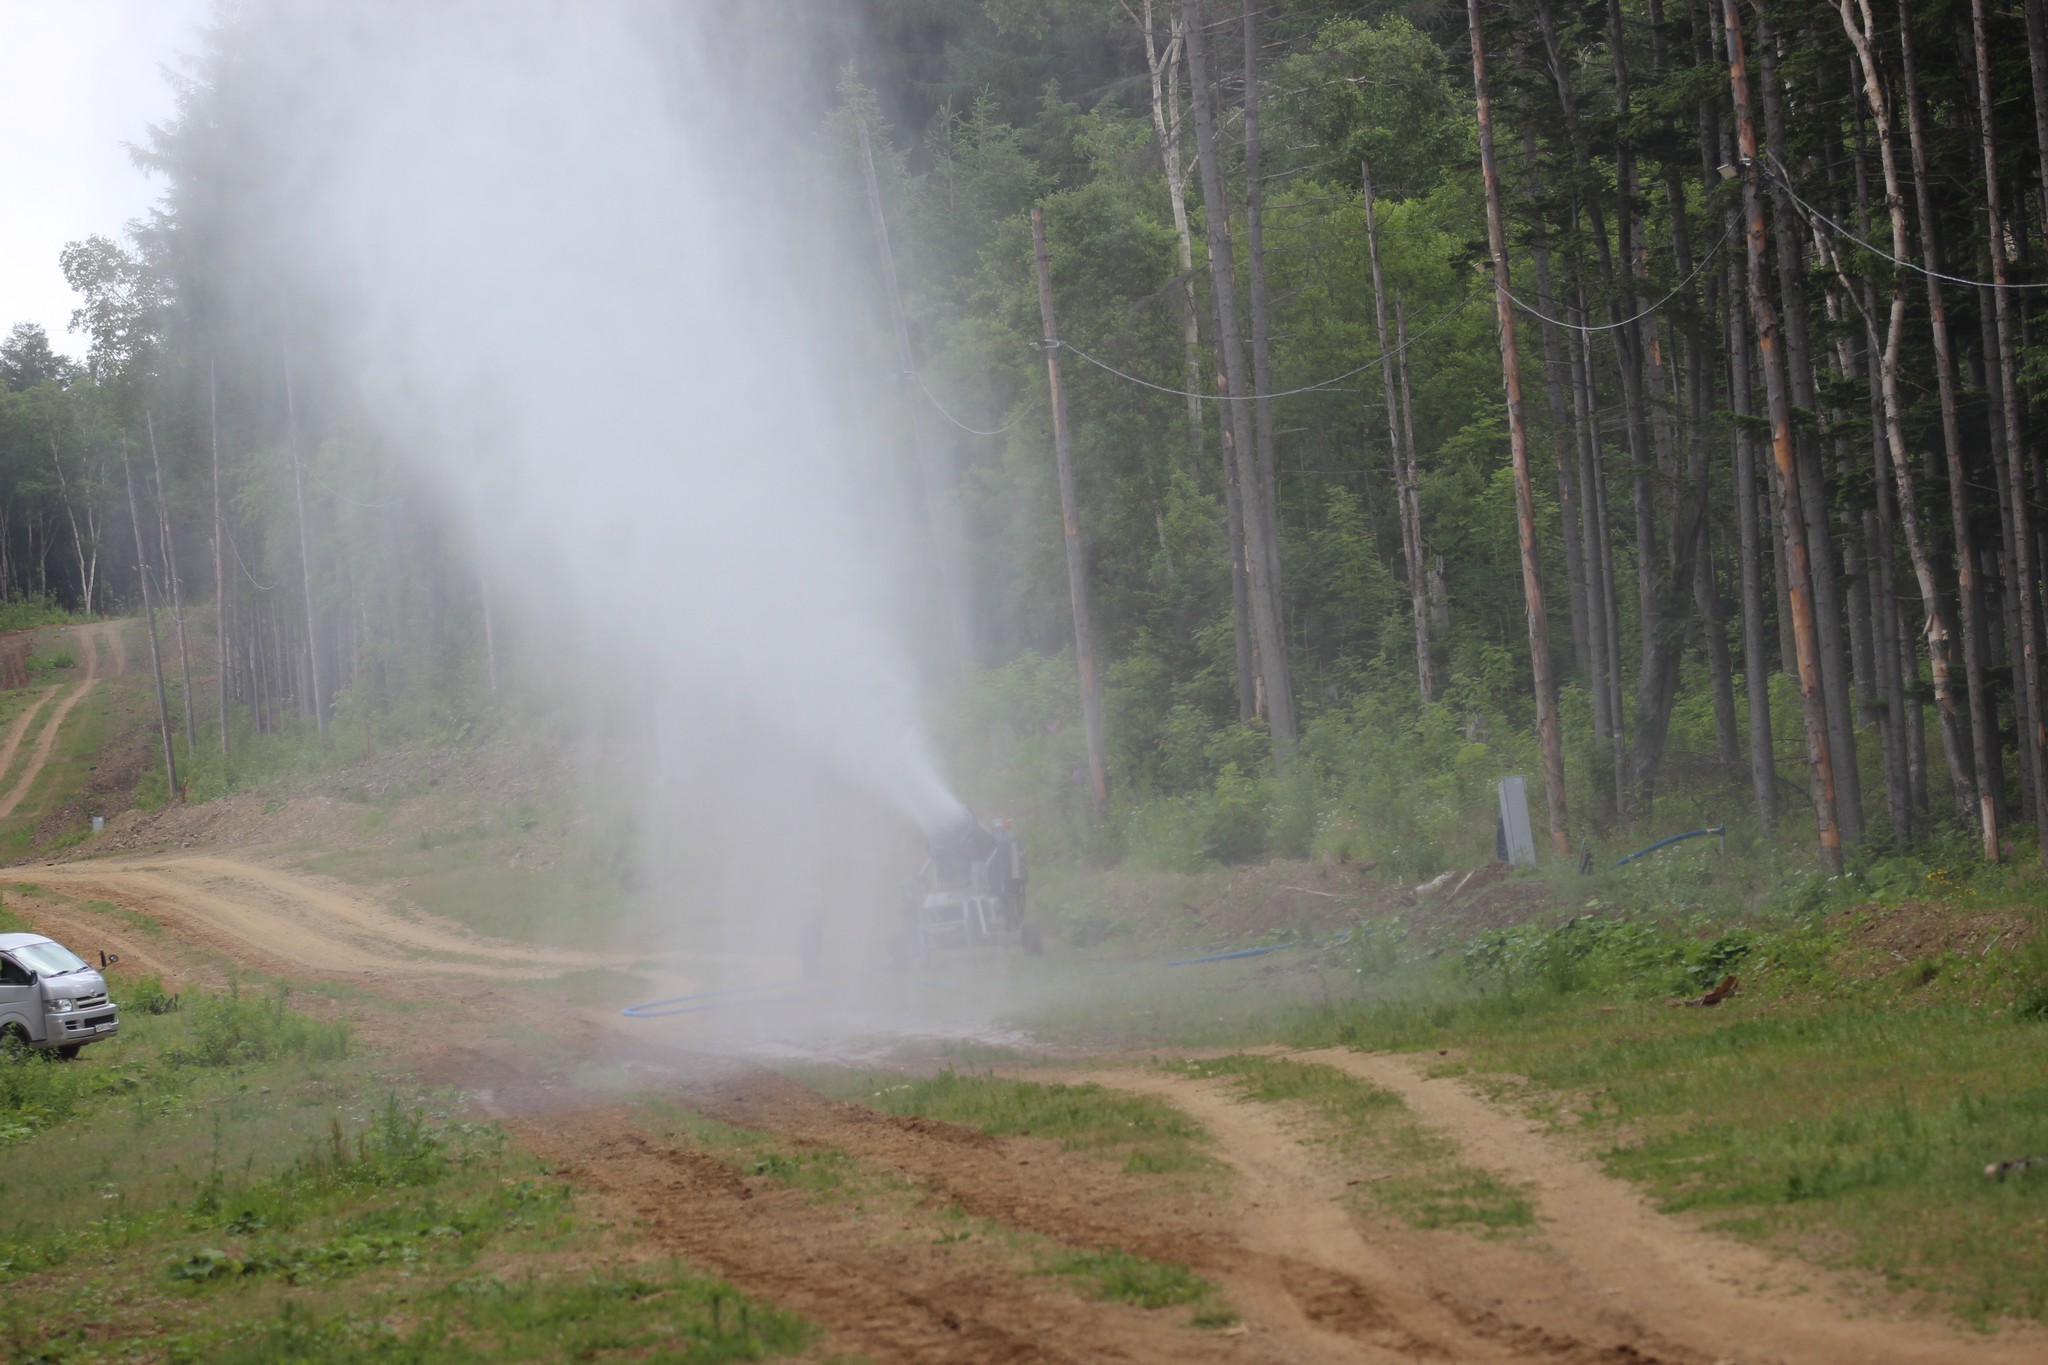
{"points": [[972, 431], [1705, 261], [1332, 381], [1784, 183]]}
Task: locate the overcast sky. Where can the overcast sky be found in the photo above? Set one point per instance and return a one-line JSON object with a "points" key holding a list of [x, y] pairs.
{"points": [[78, 78]]}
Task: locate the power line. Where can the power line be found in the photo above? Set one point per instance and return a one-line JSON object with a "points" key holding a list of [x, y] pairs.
{"points": [[1321, 385], [1784, 183], [1705, 261], [972, 431], [260, 587]]}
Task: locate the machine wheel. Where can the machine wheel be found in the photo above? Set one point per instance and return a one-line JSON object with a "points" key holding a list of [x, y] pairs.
{"points": [[1033, 944], [69, 1050], [14, 1043]]}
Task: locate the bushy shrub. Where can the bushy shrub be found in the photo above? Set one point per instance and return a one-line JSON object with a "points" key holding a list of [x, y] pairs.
{"points": [[231, 1029]]}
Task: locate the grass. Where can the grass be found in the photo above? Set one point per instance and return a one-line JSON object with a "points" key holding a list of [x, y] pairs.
{"points": [[1842, 1105], [1422, 1181], [1124, 1278], [1148, 1135], [199, 1200]]}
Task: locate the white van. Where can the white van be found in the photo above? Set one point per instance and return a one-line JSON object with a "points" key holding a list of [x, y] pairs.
{"points": [[50, 997]]}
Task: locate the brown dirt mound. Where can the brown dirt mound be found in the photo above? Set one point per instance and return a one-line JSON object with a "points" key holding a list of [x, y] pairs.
{"points": [[1881, 938]]}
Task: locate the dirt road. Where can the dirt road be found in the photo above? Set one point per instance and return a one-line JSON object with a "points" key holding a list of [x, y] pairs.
{"points": [[100, 655]]}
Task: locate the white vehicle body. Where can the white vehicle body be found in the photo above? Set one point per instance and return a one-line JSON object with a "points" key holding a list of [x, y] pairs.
{"points": [[51, 998]]}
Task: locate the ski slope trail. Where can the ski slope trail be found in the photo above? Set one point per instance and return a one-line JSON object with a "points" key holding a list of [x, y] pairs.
{"points": [[101, 655]]}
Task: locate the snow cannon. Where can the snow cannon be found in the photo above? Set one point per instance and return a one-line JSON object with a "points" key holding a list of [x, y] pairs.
{"points": [[969, 892]]}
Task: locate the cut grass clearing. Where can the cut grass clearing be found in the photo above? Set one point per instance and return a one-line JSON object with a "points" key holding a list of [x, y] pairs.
{"points": [[1423, 1183], [1148, 1135]]}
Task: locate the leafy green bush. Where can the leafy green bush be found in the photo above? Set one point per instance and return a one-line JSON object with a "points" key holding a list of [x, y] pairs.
{"points": [[146, 995], [231, 1029]]}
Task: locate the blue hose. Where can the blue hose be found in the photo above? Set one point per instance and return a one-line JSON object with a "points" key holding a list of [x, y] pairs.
{"points": [[1661, 843]]}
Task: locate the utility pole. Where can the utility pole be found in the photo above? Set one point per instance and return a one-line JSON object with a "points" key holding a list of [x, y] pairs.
{"points": [[1798, 568], [1547, 733], [1077, 580], [220, 578], [156, 663], [291, 421], [163, 519]]}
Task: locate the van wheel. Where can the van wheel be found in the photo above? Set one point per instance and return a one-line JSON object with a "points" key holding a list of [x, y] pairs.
{"points": [[14, 1043], [69, 1050]]}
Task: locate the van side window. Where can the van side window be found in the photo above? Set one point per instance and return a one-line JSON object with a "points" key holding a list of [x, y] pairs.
{"points": [[12, 973]]}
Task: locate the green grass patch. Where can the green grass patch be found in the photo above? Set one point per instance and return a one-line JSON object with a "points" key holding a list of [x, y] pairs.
{"points": [[1124, 1278], [665, 1314], [31, 613], [1148, 1135], [1420, 1177]]}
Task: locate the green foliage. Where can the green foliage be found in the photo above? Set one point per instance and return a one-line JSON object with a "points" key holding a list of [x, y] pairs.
{"points": [[678, 1316], [30, 613], [1126, 1278], [228, 1029]]}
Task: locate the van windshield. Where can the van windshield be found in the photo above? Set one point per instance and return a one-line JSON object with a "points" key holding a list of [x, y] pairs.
{"points": [[49, 959]]}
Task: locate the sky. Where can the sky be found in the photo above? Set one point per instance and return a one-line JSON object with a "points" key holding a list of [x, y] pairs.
{"points": [[78, 78]]}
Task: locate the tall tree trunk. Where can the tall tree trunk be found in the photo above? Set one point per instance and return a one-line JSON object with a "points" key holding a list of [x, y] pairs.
{"points": [[2028, 704], [1777, 395], [1439, 627], [163, 513], [1070, 522], [1812, 477], [1411, 531], [220, 577], [1547, 732], [1262, 589], [1970, 591], [1859, 24], [1560, 423], [156, 663], [1279, 676], [1756, 671], [305, 553]]}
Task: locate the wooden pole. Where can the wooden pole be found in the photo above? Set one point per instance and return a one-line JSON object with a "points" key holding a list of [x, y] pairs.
{"points": [[156, 663], [1547, 732], [1077, 579], [1798, 575], [220, 578], [291, 418]]}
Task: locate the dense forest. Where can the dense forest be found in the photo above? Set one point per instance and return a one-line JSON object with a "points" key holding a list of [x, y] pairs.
{"points": [[1313, 412]]}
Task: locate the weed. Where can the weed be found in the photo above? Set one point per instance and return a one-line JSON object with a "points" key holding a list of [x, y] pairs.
{"points": [[229, 1030], [1126, 1278]]}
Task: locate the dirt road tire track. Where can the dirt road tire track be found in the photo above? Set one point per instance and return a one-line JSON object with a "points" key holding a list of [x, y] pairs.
{"points": [[891, 1299], [89, 638]]}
